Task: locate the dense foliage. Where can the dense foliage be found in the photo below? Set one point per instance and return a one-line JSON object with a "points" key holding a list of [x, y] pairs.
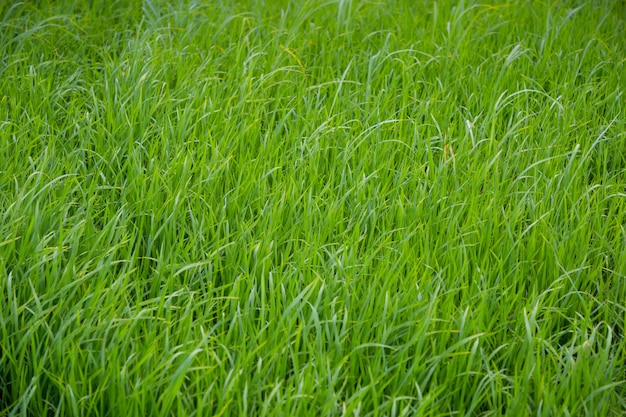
{"points": [[312, 208]]}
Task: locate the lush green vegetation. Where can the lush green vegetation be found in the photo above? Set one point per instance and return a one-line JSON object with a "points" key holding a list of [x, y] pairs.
{"points": [[312, 208]]}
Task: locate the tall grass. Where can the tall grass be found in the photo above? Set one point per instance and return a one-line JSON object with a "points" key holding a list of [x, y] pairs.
{"points": [[312, 208]]}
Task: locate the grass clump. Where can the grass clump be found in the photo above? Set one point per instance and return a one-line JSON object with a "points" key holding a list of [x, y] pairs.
{"points": [[312, 208]]}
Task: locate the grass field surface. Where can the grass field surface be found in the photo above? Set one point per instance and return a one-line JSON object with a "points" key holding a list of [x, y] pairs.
{"points": [[312, 208]]}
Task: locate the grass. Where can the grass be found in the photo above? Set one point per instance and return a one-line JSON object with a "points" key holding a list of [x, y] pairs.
{"points": [[312, 208]]}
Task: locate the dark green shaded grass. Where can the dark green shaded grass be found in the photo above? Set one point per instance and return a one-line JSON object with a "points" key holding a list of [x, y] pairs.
{"points": [[315, 208]]}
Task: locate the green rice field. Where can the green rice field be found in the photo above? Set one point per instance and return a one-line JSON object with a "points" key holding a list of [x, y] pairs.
{"points": [[312, 208]]}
